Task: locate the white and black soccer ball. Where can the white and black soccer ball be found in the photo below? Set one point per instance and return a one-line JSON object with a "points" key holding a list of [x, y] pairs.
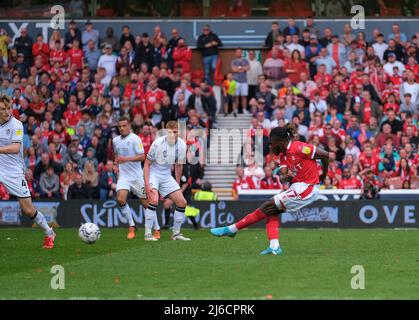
{"points": [[89, 233]]}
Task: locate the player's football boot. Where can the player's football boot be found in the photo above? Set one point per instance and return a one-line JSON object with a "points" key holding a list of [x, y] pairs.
{"points": [[156, 234], [223, 232], [149, 237], [179, 236], [49, 241], [275, 252], [131, 232]]}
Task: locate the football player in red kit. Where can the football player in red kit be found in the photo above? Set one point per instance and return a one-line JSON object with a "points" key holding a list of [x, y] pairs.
{"points": [[297, 162]]}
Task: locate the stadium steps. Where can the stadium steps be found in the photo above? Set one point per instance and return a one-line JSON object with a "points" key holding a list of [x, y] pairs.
{"points": [[222, 174]]}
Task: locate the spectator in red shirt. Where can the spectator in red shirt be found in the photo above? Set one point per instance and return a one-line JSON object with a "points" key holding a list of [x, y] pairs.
{"points": [[385, 134], [41, 49], [349, 181], [182, 55], [58, 55], [241, 182], [146, 137], [72, 116], [37, 106], [4, 195], [75, 55], [270, 181], [368, 160], [152, 96], [295, 66]]}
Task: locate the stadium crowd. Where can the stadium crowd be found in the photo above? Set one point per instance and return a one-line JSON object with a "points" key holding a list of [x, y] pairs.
{"points": [[355, 97]]}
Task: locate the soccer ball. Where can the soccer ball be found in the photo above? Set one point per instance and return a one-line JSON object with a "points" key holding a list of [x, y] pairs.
{"points": [[89, 233]]}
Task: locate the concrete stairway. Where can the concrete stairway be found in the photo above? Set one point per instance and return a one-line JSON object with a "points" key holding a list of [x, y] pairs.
{"points": [[224, 152]]}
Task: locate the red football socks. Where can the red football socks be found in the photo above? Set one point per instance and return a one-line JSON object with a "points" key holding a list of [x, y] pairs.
{"points": [[250, 219], [272, 227]]}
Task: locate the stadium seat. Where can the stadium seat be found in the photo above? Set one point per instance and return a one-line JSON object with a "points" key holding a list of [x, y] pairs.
{"points": [[244, 11], [105, 12], [394, 11], [188, 9]]}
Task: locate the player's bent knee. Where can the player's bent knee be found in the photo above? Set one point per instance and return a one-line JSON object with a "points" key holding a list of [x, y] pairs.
{"points": [[181, 203], [121, 201], [270, 208]]}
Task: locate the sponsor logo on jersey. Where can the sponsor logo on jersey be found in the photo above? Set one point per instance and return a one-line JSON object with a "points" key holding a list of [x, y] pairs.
{"points": [[306, 150], [18, 132]]}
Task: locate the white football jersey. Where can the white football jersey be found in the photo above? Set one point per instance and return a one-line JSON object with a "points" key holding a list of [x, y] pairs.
{"points": [[129, 146], [11, 132], [163, 155]]}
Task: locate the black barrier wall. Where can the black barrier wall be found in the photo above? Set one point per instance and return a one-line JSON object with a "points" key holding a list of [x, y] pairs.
{"points": [[322, 214]]}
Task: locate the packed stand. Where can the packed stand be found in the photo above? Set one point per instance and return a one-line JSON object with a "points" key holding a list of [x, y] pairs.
{"points": [[354, 95], [70, 90]]}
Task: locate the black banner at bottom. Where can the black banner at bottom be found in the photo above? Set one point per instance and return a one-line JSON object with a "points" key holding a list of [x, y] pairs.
{"points": [[322, 214]]}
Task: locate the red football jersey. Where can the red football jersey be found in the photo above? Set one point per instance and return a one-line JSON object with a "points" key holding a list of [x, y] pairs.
{"points": [[76, 57], [351, 183], [58, 56], [299, 161], [369, 162], [152, 97]]}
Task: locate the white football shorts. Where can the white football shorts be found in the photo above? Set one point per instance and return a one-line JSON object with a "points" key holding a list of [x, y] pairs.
{"points": [[136, 187], [298, 196], [16, 185], [164, 184]]}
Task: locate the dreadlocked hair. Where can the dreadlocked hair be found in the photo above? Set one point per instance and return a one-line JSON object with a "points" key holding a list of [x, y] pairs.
{"points": [[291, 129], [283, 133]]}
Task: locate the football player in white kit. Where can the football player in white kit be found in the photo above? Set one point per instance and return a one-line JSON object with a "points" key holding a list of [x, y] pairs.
{"points": [[12, 169], [129, 153], [164, 152]]}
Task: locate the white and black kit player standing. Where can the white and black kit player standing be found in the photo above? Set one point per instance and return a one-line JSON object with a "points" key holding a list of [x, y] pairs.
{"points": [[12, 169], [165, 152], [129, 153]]}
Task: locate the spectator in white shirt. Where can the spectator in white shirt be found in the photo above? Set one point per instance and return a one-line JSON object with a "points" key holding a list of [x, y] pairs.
{"points": [[253, 73], [318, 104], [108, 62], [410, 86], [392, 62], [265, 123], [306, 86], [302, 130], [295, 45], [279, 120], [379, 47], [352, 149]]}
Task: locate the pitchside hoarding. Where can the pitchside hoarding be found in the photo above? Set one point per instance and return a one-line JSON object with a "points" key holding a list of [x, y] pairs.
{"points": [[322, 214]]}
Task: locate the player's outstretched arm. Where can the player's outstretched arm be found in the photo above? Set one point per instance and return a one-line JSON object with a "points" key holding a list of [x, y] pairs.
{"points": [[284, 176], [13, 148], [324, 158]]}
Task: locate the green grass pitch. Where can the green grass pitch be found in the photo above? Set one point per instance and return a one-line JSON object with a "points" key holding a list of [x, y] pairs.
{"points": [[316, 265]]}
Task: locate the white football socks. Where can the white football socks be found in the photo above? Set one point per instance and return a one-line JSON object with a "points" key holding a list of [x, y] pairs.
{"points": [[178, 218], [156, 225], [126, 212], [274, 244], [40, 221], [233, 228], [150, 216]]}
